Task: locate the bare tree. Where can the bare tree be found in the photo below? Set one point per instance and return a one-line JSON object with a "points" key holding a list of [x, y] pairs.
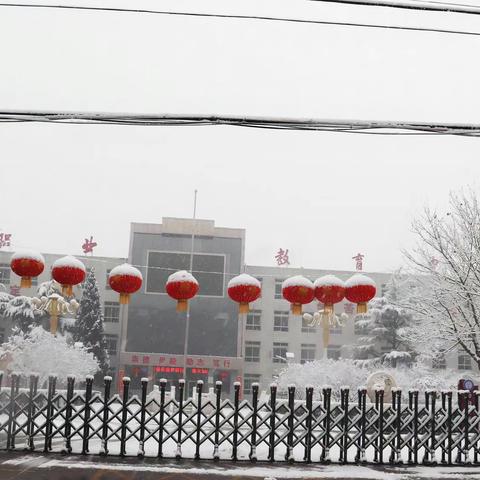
{"points": [[445, 290]]}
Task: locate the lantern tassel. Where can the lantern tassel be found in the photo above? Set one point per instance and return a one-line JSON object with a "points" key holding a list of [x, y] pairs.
{"points": [[67, 290], [182, 305], [296, 308], [124, 299], [362, 307], [244, 307], [26, 282]]}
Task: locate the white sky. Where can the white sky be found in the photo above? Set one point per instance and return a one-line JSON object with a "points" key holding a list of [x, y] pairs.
{"points": [[324, 196]]}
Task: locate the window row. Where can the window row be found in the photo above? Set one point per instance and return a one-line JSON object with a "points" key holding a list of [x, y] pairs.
{"points": [[279, 352]]}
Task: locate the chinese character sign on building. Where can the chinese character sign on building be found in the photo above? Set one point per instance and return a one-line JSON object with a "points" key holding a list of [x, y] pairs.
{"points": [[5, 239], [89, 245], [282, 257], [358, 261]]}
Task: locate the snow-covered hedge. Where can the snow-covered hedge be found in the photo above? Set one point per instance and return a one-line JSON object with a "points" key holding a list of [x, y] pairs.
{"points": [[339, 373]]}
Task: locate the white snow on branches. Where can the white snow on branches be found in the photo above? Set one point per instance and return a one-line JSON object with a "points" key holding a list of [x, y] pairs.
{"points": [[38, 351]]}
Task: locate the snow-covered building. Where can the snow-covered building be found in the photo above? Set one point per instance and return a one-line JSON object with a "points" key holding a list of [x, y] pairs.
{"points": [[147, 337]]}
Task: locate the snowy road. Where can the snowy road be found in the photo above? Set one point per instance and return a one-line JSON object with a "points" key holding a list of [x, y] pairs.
{"points": [[20, 466]]}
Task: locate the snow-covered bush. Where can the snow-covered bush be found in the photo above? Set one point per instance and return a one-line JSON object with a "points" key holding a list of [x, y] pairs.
{"points": [[38, 351], [339, 373]]}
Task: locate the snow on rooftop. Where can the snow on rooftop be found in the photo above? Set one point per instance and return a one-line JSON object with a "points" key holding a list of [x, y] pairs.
{"points": [[30, 254], [182, 276], [69, 261], [329, 281], [244, 279], [359, 279], [297, 281], [125, 269]]}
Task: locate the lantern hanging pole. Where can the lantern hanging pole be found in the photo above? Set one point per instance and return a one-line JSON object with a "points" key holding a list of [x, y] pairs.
{"points": [[187, 317]]}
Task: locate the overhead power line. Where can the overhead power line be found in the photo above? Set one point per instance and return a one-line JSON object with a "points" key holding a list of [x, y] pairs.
{"points": [[244, 17], [426, 6], [278, 123]]}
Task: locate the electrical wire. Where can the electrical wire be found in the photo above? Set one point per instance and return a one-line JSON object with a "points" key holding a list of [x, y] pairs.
{"points": [[246, 17], [428, 6], [277, 123]]}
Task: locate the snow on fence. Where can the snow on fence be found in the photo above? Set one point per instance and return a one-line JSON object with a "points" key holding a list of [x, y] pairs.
{"points": [[446, 428]]}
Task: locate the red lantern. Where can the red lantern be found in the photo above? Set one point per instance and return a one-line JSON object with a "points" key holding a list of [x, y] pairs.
{"points": [[27, 264], [329, 290], [299, 291], [360, 289], [68, 271], [182, 286], [125, 280], [244, 289]]}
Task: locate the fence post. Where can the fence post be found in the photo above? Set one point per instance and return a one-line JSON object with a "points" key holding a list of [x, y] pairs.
{"points": [[344, 393], [11, 413], [362, 408], [123, 432], [181, 388], [477, 418], [141, 448], [67, 443], [163, 386], [325, 455], [86, 419], [271, 437], [199, 419], [447, 423], [396, 456], [429, 457], [291, 418], [253, 442], [463, 399], [236, 386], [379, 394], [218, 393], [107, 381], [29, 445], [307, 456], [48, 421]]}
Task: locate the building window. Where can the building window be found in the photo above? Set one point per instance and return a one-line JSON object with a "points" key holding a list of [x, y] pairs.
{"points": [[337, 330], [306, 327], [253, 320], [464, 361], [279, 352], [111, 312], [208, 269], [107, 285], [248, 379], [5, 273], [280, 321], [252, 352], [111, 341], [333, 352], [439, 363], [307, 352], [278, 288]]}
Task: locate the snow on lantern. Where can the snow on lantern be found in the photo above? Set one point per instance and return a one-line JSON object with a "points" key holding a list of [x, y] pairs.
{"points": [[360, 289], [27, 264], [329, 290], [125, 280], [182, 286], [68, 271], [244, 289], [299, 291]]}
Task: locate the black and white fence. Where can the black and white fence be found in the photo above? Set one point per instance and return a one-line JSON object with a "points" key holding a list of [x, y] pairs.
{"points": [[441, 428]]}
